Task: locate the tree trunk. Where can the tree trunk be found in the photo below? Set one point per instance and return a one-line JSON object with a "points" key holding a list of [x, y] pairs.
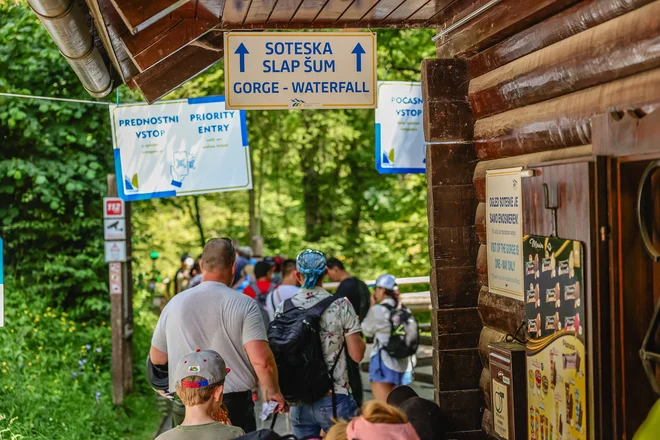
{"points": [[252, 204], [197, 218]]}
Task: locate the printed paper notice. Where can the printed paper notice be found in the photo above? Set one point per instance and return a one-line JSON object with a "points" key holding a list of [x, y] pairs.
{"points": [[500, 410], [504, 232]]}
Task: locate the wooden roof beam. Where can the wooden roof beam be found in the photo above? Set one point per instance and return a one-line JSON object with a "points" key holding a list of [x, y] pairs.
{"points": [[138, 15], [494, 25]]}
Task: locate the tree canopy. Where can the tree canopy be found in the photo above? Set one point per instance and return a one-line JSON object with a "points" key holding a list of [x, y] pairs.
{"points": [[314, 173]]}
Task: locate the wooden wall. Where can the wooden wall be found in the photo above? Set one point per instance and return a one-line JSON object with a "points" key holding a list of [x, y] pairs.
{"points": [[537, 72]]}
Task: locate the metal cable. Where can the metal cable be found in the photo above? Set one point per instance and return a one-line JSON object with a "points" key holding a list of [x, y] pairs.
{"points": [[50, 98]]}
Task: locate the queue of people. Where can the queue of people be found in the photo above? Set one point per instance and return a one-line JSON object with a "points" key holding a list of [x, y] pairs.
{"points": [[213, 346]]}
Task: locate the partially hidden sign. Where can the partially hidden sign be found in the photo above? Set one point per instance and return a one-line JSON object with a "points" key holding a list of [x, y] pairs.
{"points": [[501, 409], [182, 147], [400, 146], [300, 70], [504, 232]]}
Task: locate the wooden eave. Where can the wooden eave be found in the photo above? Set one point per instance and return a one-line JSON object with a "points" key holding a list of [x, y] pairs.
{"points": [[158, 45]]}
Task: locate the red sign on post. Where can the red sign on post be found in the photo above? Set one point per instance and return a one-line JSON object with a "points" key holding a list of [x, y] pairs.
{"points": [[113, 207]]}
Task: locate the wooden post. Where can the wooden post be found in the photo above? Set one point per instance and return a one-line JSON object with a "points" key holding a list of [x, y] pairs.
{"points": [[127, 279], [453, 247], [121, 317]]}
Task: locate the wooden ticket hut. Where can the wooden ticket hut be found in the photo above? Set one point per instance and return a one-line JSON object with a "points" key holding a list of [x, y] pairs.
{"points": [[565, 88]]}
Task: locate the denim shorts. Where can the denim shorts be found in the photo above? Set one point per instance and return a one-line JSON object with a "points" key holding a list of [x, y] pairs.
{"points": [[309, 420], [379, 372]]}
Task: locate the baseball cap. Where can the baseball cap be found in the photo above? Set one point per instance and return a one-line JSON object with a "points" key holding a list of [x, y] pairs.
{"points": [[387, 281], [400, 394], [424, 415], [204, 363]]}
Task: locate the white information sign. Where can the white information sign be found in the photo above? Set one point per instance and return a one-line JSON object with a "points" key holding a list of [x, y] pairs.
{"points": [[115, 251], [400, 146], [115, 279], [504, 232], [298, 70], [175, 148], [113, 207], [114, 229]]}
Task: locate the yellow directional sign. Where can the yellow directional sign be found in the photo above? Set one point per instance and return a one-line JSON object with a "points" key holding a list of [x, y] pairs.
{"points": [[300, 70]]}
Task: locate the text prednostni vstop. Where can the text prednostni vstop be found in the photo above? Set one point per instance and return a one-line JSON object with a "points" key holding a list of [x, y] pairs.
{"points": [[297, 70]]}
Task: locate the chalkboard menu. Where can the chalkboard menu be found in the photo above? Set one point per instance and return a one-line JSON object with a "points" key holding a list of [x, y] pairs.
{"points": [[554, 313]]}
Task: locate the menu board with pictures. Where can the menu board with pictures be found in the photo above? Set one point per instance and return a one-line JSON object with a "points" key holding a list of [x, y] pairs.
{"points": [[554, 313]]}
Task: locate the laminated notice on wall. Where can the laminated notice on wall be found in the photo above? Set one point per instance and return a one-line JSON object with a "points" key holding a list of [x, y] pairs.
{"points": [[504, 232]]}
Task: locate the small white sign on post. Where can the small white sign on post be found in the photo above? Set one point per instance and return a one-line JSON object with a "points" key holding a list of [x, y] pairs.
{"points": [[400, 145], [183, 147], [114, 229], [299, 70], [115, 251], [115, 279], [113, 207], [504, 232]]}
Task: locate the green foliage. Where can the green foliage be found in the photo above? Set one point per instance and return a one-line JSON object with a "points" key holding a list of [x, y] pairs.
{"points": [[55, 379], [53, 161], [54, 158]]}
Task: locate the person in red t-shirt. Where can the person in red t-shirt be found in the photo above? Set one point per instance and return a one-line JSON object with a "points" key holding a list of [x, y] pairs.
{"points": [[263, 272]]}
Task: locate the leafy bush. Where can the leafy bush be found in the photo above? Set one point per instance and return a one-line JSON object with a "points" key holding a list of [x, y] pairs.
{"points": [[55, 379], [54, 158]]}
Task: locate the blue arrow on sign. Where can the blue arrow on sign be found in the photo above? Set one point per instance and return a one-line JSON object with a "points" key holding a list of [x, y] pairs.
{"points": [[241, 50], [358, 51]]}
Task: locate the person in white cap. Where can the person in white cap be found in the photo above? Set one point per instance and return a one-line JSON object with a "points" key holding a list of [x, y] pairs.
{"points": [[385, 371], [200, 382]]}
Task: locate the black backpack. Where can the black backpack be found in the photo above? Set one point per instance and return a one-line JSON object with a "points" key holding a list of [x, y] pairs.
{"points": [[294, 338], [404, 332]]}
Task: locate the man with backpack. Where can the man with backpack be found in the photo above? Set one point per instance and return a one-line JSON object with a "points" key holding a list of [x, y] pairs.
{"points": [[396, 338], [215, 317], [260, 288], [358, 294], [308, 338]]}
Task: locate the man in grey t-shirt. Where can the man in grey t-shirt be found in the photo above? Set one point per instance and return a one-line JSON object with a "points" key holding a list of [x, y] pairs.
{"points": [[212, 316]]}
